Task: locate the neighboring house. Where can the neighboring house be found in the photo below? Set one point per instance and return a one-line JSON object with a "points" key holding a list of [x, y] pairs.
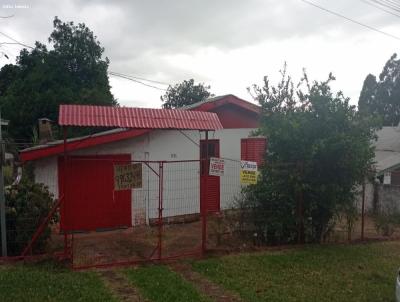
{"points": [[386, 167], [239, 119], [387, 155]]}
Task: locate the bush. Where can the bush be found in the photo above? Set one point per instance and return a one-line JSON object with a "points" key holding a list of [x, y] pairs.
{"points": [[271, 213], [387, 218], [27, 204], [319, 152], [386, 224]]}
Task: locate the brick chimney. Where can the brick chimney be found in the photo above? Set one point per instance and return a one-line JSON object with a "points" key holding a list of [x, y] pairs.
{"points": [[45, 132]]}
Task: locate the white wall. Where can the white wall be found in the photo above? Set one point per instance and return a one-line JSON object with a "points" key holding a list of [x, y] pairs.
{"points": [[181, 194], [369, 197], [46, 172]]}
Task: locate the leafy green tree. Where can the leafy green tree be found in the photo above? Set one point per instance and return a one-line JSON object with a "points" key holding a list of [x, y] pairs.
{"points": [[319, 150], [382, 98], [185, 93], [72, 72]]}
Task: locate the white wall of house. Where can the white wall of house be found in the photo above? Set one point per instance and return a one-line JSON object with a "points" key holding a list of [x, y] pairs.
{"points": [[46, 172], [181, 194]]}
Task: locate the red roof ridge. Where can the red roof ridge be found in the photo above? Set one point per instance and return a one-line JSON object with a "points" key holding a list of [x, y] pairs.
{"points": [[218, 101]]}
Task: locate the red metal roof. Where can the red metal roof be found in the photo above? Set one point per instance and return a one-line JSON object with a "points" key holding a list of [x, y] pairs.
{"points": [[54, 148], [139, 118]]}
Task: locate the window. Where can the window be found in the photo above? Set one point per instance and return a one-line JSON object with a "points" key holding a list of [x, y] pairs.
{"points": [[253, 149]]}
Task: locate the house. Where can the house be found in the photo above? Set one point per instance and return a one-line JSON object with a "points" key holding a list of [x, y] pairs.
{"points": [[386, 169], [387, 155], [94, 202]]}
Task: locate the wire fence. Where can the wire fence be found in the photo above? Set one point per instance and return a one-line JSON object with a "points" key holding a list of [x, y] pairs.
{"points": [[114, 210], [116, 224]]}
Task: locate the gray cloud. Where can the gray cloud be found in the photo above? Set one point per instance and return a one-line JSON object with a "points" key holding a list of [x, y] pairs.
{"points": [[137, 35]]}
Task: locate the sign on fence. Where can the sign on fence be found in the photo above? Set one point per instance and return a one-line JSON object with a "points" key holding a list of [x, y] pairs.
{"points": [[248, 172], [127, 176], [217, 166]]}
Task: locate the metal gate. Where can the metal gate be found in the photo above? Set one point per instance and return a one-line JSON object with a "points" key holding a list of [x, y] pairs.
{"points": [[164, 210]]}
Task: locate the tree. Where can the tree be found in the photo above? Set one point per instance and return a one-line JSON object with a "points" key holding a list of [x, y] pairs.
{"points": [[185, 93], [73, 72], [382, 98], [319, 150]]}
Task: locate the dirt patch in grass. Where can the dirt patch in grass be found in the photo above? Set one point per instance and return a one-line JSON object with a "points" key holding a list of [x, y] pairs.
{"points": [[203, 285], [120, 286], [159, 284], [135, 244]]}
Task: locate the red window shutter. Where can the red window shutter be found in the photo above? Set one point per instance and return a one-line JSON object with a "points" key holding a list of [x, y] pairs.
{"points": [[253, 149]]}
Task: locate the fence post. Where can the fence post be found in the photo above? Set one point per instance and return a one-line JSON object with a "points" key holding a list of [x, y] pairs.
{"points": [[2, 197], [203, 205], [160, 207], [300, 206], [65, 192], [363, 211]]}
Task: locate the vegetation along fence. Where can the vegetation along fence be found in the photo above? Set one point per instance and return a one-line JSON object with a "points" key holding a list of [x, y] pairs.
{"points": [[109, 210]]}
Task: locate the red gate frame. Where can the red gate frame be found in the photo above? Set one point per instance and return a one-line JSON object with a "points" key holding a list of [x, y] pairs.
{"points": [[68, 250]]}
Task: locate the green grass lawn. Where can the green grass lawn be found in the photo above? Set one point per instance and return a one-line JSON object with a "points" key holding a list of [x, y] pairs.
{"points": [[320, 273], [364, 272], [47, 282], [159, 284]]}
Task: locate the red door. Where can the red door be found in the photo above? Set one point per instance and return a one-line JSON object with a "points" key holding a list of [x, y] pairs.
{"points": [[210, 189], [91, 202]]}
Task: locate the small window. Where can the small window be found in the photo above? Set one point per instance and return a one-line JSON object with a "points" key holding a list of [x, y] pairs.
{"points": [[253, 149]]}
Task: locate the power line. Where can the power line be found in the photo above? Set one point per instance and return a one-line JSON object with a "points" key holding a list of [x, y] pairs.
{"points": [[137, 81], [115, 74], [10, 43], [391, 2], [139, 78], [16, 41], [380, 8], [351, 20], [386, 5]]}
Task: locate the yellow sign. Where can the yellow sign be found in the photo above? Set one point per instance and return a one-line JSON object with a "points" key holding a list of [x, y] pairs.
{"points": [[248, 177], [248, 172], [127, 177]]}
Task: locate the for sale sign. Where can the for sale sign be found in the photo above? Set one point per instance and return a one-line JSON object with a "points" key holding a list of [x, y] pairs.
{"points": [[248, 172], [128, 176], [217, 166]]}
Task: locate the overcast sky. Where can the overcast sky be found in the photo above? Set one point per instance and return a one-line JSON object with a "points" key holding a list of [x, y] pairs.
{"points": [[228, 44]]}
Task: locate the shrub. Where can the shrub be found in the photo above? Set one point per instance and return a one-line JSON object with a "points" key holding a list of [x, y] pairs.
{"points": [[387, 218], [27, 204], [319, 152]]}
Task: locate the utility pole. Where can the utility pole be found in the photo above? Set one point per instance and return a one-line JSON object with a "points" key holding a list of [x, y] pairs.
{"points": [[2, 197]]}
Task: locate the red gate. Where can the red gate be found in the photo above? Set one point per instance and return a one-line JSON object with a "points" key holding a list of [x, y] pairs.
{"points": [[93, 204]]}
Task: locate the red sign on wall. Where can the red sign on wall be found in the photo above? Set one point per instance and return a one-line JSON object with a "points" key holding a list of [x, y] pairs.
{"points": [[217, 166]]}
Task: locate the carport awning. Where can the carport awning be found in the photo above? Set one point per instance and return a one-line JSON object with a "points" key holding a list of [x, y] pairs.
{"points": [[139, 118]]}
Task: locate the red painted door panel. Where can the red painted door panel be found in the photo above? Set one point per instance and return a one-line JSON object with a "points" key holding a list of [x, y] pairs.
{"points": [[209, 191], [91, 202]]}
